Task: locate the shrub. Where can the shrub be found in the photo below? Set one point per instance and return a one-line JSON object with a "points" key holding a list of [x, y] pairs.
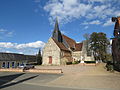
{"points": [[68, 63], [75, 62]]}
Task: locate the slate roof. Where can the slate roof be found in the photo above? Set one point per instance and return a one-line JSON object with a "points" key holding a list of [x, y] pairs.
{"points": [[70, 41], [60, 45], [78, 46], [64, 42], [14, 57]]}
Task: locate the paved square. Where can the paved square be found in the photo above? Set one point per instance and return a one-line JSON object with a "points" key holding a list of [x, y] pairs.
{"points": [[73, 77]]}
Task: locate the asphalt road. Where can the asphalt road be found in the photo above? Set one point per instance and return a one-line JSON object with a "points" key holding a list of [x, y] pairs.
{"points": [[29, 86], [32, 81], [10, 80], [74, 78], [23, 86]]}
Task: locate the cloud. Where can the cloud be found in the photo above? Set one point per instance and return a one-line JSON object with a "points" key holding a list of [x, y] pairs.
{"points": [[5, 33], [37, 44], [86, 27], [66, 10], [97, 1], [63, 32], [26, 48], [69, 10], [2, 30], [97, 22], [108, 23], [7, 44]]}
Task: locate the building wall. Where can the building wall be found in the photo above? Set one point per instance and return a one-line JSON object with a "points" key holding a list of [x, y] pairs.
{"points": [[51, 50], [77, 55], [116, 53], [10, 63], [84, 53], [66, 56]]}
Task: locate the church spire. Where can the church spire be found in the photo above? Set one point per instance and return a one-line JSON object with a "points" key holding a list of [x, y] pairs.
{"points": [[56, 25], [56, 33]]}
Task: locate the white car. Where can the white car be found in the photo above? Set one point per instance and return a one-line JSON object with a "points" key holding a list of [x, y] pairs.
{"points": [[26, 66]]}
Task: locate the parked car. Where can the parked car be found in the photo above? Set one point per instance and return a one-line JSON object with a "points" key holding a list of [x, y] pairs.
{"points": [[26, 66]]}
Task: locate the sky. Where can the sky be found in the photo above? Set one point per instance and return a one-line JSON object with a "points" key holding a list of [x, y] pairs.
{"points": [[26, 25]]}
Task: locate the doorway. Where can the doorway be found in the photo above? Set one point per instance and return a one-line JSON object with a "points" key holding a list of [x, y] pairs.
{"points": [[8, 64], [50, 59]]}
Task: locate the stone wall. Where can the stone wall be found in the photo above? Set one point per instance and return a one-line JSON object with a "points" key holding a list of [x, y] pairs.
{"points": [[51, 49], [56, 71], [84, 53], [10, 63], [11, 70], [76, 55]]}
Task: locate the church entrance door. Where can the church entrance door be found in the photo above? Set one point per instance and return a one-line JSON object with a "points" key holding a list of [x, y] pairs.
{"points": [[50, 59]]}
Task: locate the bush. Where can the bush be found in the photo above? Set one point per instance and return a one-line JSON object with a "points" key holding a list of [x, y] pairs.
{"points": [[75, 62], [109, 66], [68, 63]]}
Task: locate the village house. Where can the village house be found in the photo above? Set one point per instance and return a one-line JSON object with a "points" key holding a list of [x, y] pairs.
{"points": [[13, 60], [60, 49]]}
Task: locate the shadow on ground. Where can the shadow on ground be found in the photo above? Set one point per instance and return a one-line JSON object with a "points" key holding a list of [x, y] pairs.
{"points": [[6, 79]]}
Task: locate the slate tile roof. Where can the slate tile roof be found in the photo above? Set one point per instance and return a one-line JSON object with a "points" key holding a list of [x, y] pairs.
{"points": [[60, 45], [78, 46], [15, 57], [70, 41], [72, 44]]}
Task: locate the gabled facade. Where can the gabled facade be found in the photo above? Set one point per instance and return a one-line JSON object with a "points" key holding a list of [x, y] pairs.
{"points": [[61, 49]]}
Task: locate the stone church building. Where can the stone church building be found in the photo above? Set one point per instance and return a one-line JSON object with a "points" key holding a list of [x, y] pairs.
{"points": [[61, 49]]}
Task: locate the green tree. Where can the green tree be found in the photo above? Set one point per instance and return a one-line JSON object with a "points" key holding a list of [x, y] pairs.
{"points": [[99, 44], [39, 58]]}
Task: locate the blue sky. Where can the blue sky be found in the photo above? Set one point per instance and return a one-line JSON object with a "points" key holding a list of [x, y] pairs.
{"points": [[26, 25]]}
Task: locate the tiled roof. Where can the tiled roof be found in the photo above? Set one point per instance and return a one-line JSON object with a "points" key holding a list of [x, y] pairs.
{"points": [[78, 46], [60, 45], [72, 44], [70, 41], [14, 57]]}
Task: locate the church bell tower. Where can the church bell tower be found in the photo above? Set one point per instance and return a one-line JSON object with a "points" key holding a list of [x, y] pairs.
{"points": [[56, 33]]}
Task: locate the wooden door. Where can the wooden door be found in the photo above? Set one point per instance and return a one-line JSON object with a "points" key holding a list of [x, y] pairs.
{"points": [[50, 59]]}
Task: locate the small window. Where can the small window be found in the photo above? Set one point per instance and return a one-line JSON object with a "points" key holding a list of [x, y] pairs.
{"points": [[13, 64], [3, 65], [8, 64], [18, 64]]}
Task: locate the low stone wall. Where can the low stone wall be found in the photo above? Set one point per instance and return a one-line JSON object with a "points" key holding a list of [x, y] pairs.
{"points": [[57, 71], [12, 70], [91, 64]]}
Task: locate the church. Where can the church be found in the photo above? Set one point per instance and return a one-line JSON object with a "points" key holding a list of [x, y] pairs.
{"points": [[60, 49]]}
